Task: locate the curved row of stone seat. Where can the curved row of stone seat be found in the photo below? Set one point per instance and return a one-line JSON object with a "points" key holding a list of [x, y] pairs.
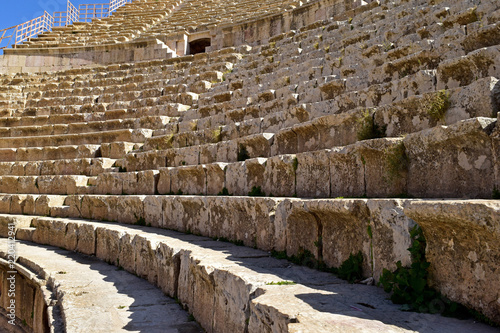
{"points": [[198, 15], [80, 166], [375, 168], [293, 225], [400, 117], [63, 290], [181, 265], [124, 24], [149, 122], [114, 150], [112, 93]]}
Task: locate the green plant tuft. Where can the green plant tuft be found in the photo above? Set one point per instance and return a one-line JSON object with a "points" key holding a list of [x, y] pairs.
{"points": [[496, 194], [397, 161], [280, 283], [438, 104], [256, 192], [217, 135], [351, 269], [224, 192], [141, 221]]}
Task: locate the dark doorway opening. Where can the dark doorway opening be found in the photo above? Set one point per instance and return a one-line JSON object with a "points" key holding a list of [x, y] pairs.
{"points": [[199, 45]]}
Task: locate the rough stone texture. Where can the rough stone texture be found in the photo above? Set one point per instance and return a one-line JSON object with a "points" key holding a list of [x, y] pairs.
{"points": [[78, 283], [463, 249], [227, 287], [465, 165]]}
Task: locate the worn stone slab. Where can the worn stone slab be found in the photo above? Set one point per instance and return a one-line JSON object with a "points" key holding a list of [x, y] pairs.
{"points": [[216, 280], [78, 283], [463, 249]]}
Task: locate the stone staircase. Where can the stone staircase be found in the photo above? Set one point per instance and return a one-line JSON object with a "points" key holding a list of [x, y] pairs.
{"points": [[323, 140]]}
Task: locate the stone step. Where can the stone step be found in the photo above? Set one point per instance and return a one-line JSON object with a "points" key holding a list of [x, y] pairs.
{"points": [[114, 150], [375, 168], [47, 184], [136, 136], [82, 166], [149, 122], [139, 250], [68, 287]]}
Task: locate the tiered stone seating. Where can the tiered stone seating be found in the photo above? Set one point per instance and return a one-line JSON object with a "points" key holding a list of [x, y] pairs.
{"points": [[125, 24], [197, 15], [391, 99]]}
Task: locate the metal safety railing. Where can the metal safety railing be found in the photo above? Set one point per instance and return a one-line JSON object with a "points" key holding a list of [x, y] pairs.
{"points": [[33, 27], [62, 19], [18, 34], [88, 12]]}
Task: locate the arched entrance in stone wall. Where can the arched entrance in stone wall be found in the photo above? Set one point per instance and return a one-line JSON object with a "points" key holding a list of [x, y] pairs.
{"points": [[199, 45]]}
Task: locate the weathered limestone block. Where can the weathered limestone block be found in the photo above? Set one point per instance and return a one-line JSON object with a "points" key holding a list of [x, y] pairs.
{"points": [[29, 204], [116, 149], [8, 184], [184, 156], [95, 207], [241, 177], [258, 145], [108, 245], [190, 179], [474, 100], [208, 153], [332, 89], [347, 177], [313, 174], [406, 116], [146, 265], [125, 209], [86, 239], [26, 184], [185, 213], [285, 142], [5, 204], [168, 260], [463, 250], [385, 165], [110, 183], [44, 203], [307, 137], [146, 160], [196, 286], [338, 129], [465, 167], [330, 229], [279, 176], [16, 203], [19, 222], [216, 177], [153, 210], [465, 70], [73, 204], [142, 182], [389, 235], [250, 220], [126, 255], [49, 232], [164, 181], [64, 184], [230, 312]]}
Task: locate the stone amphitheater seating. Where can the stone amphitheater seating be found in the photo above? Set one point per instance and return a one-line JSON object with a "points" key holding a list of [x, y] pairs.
{"points": [[330, 123]]}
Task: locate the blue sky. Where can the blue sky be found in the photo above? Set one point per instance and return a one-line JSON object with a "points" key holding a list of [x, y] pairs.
{"points": [[14, 12]]}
